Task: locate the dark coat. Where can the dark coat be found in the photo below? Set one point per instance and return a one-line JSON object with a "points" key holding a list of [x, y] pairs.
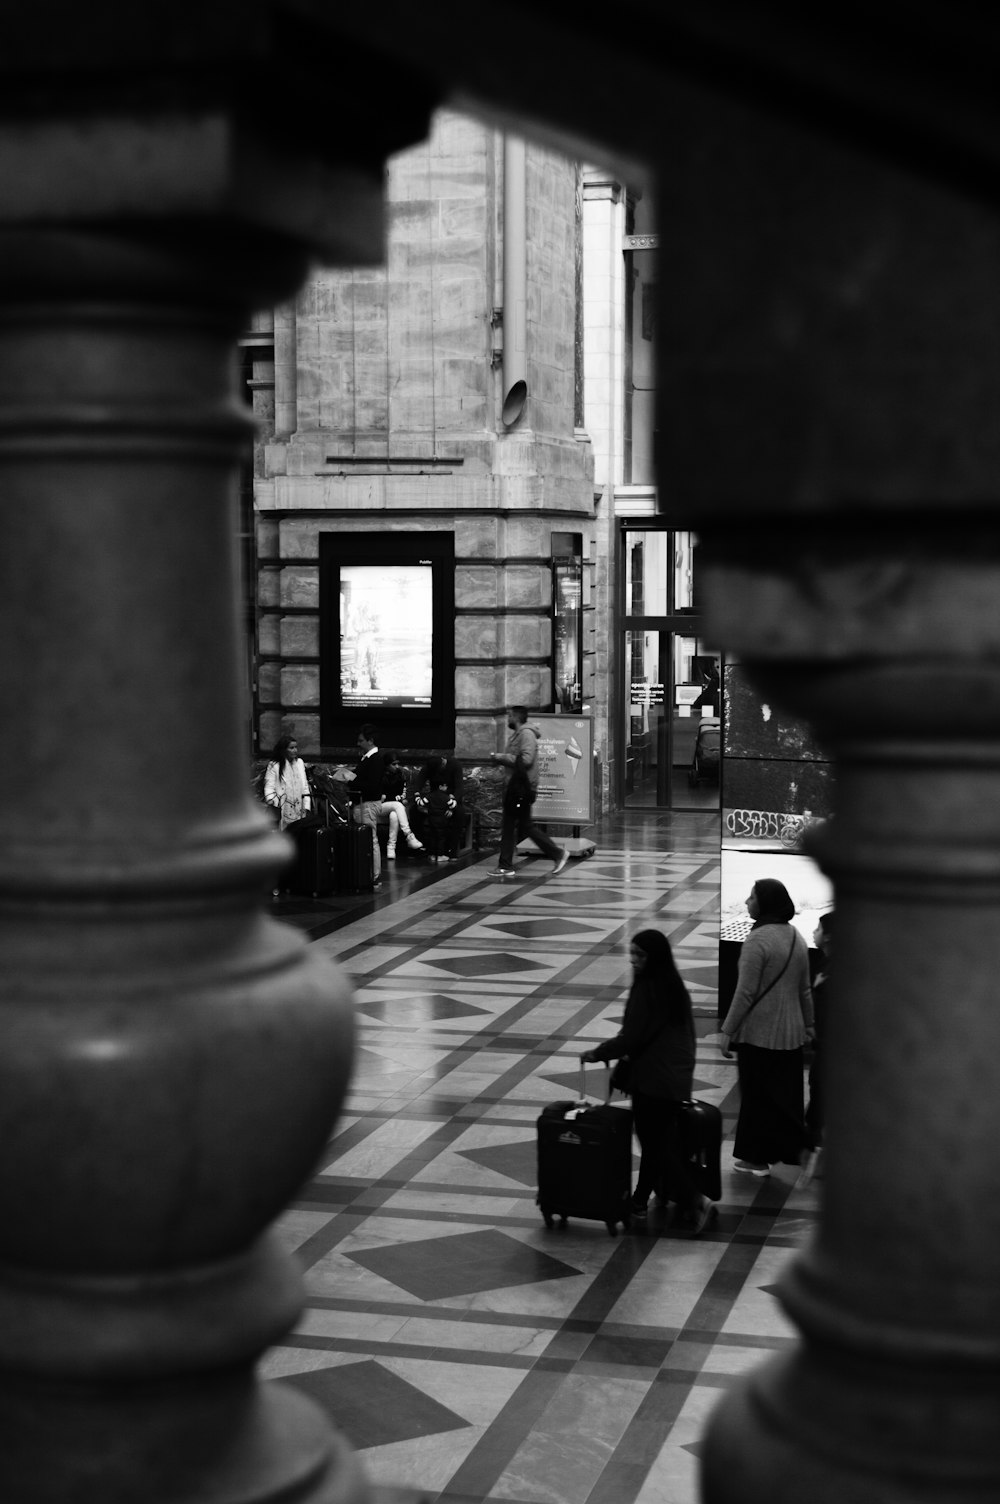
{"points": [[449, 776], [662, 1053]]}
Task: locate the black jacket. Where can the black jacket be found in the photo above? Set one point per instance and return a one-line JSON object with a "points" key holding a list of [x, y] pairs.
{"points": [[449, 777], [662, 1053]]}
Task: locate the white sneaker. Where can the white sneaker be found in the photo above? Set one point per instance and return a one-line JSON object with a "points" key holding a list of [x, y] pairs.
{"points": [[390, 853], [749, 1167], [412, 842]]}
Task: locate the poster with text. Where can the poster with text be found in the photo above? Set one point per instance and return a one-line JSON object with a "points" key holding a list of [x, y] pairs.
{"points": [[565, 769]]}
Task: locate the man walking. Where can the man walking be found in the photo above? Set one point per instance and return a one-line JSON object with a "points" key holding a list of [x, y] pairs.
{"points": [[520, 759]]}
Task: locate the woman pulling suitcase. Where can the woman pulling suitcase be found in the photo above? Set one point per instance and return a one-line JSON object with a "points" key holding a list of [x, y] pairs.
{"points": [[657, 1037]]}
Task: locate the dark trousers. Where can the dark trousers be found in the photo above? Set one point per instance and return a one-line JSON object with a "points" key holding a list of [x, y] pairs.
{"points": [[662, 1165], [518, 826], [771, 1126], [814, 1111]]}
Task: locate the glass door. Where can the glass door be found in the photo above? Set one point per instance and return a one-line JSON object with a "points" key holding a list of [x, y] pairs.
{"points": [[673, 702]]}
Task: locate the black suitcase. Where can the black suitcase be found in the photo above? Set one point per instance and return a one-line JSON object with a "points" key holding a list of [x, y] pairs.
{"points": [[701, 1144], [353, 858], [585, 1163], [312, 868]]}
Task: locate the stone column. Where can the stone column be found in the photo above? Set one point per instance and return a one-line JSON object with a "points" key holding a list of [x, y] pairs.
{"points": [[172, 1060], [831, 384]]}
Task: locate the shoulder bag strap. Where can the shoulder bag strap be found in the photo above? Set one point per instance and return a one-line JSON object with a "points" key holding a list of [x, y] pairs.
{"points": [[770, 984]]}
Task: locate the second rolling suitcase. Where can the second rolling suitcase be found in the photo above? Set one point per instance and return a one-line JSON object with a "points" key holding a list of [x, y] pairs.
{"points": [[701, 1144], [312, 868], [585, 1163], [353, 858]]}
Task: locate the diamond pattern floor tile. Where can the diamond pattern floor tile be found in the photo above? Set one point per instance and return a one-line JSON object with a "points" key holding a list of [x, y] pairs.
{"points": [[461, 1344], [463, 1264], [373, 1406]]}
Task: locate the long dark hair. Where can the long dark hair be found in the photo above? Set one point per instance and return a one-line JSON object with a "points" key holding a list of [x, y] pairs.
{"points": [[773, 902], [660, 975], [280, 754]]}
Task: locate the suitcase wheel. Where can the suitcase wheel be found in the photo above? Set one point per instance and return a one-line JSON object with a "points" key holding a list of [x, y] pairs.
{"points": [[550, 1217]]}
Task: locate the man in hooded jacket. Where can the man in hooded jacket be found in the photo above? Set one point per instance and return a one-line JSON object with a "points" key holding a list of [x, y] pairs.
{"points": [[520, 759]]}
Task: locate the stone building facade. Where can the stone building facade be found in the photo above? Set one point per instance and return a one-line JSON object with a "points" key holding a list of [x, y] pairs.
{"points": [[387, 415]]}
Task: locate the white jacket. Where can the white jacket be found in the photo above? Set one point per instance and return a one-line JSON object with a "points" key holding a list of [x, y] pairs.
{"points": [[289, 794]]}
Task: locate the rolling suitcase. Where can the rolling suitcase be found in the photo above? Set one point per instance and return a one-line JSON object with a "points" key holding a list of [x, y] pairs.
{"points": [[585, 1162], [701, 1145], [312, 868], [353, 858]]}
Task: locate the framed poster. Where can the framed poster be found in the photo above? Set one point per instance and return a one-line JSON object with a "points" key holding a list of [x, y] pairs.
{"points": [[565, 769], [387, 608]]}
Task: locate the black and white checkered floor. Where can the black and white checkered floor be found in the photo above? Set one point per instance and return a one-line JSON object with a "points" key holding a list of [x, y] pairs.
{"points": [[461, 1347]]}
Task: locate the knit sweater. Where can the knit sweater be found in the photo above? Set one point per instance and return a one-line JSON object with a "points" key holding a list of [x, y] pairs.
{"points": [[368, 774], [780, 1020]]}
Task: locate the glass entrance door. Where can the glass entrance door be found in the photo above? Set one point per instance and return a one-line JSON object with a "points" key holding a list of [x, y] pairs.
{"points": [[672, 720]]}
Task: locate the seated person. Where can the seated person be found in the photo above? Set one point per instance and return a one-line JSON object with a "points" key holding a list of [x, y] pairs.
{"points": [[394, 800], [369, 775], [439, 801]]}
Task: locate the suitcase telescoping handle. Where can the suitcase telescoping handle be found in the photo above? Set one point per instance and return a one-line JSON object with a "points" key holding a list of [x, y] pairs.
{"points": [[583, 1080]]}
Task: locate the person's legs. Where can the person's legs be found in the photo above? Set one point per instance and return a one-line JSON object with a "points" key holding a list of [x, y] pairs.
{"points": [[650, 1120], [751, 1124], [456, 825], [394, 806], [390, 845], [771, 1125], [507, 833], [544, 842], [787, 1101]]}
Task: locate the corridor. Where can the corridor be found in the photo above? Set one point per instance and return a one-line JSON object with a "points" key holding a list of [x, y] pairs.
{"points": [[467, 1352]]}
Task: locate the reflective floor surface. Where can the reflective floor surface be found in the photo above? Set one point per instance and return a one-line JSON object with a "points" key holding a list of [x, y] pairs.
{"points": [[466, 1351]]}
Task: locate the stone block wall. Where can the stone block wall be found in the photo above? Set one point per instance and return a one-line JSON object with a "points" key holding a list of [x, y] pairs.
{"points": [[391, 376]]}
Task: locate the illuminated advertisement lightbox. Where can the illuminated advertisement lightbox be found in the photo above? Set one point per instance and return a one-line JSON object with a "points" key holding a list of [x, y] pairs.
{"points": [[386, 636], [387, 623]]}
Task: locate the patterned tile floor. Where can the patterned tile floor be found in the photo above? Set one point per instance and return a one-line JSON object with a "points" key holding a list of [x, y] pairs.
{"points": [[466, 1351]]}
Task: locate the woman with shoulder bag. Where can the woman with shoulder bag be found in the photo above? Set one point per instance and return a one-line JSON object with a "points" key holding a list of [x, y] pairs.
{"points": [[286, 788], [770, 1019], [657, 1037]]}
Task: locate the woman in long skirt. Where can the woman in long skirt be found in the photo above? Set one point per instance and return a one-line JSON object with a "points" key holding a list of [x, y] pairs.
{"points": [[769, 1021]]}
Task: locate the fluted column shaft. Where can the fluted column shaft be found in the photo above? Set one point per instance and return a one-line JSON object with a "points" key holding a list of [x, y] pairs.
{"points": [[172, 1060]]}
